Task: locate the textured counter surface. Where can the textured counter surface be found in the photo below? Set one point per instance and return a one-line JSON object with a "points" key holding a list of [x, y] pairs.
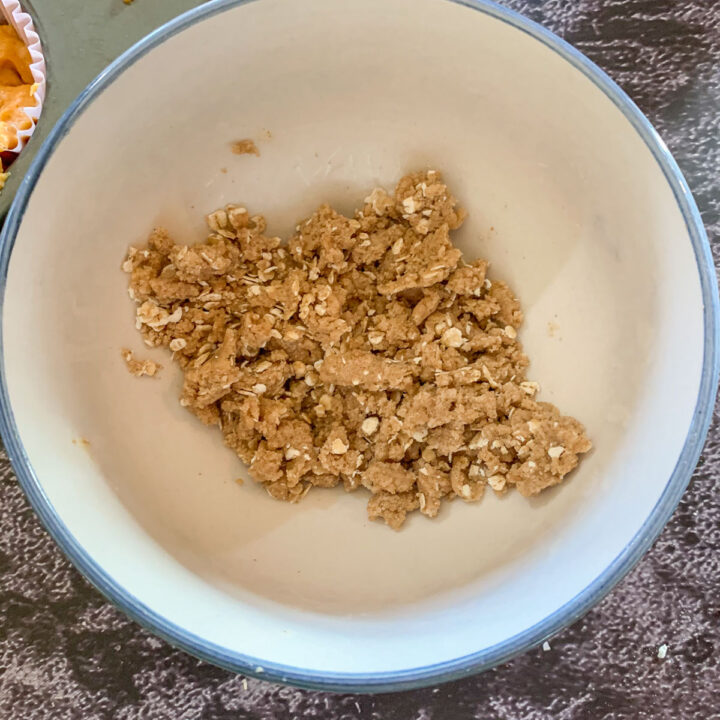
{"points": [[65, 653]]}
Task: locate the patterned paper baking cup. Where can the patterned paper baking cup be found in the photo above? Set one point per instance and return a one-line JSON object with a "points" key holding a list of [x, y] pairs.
{"points": [[23, 24]]}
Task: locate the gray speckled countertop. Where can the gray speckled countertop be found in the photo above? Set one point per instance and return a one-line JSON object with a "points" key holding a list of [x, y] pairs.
{"points": [[65, 653]]}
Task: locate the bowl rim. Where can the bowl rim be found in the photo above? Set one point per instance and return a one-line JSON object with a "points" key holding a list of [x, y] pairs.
{"points": [[458, 667]]}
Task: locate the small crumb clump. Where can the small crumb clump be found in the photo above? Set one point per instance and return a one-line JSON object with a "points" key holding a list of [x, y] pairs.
{"points": [[245, 147], [363, 352], [138, 368]]}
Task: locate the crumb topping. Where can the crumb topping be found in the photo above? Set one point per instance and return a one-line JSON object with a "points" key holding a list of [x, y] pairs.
{"points": [[363, 352]]}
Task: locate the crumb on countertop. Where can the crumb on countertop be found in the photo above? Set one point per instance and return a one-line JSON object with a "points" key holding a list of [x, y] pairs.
{"points": [[245, 147], [138, 368], [364, 352]]}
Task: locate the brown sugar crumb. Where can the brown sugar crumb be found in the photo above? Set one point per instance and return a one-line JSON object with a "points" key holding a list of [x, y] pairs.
{"points": [[364, 352], [245, 147], [138, 368]]}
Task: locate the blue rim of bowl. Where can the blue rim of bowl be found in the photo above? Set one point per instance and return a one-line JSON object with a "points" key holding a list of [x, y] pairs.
{"points": [[488, 657]]}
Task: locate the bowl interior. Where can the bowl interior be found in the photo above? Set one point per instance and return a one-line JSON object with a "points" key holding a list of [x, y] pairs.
{"points": [[564, 198]]}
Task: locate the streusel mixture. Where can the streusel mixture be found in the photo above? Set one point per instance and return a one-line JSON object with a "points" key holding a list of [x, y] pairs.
{"points": [[364, 352]]}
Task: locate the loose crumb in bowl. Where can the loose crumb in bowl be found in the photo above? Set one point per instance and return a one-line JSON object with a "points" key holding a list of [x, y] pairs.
{"points": [[138, 368], [364, 352], [245, 147]]}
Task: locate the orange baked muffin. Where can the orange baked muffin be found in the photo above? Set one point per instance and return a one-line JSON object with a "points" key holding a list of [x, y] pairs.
{"points": [[17, 90]]}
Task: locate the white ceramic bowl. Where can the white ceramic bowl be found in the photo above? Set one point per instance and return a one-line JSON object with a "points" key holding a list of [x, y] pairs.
{"points": [[571, 195]]}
